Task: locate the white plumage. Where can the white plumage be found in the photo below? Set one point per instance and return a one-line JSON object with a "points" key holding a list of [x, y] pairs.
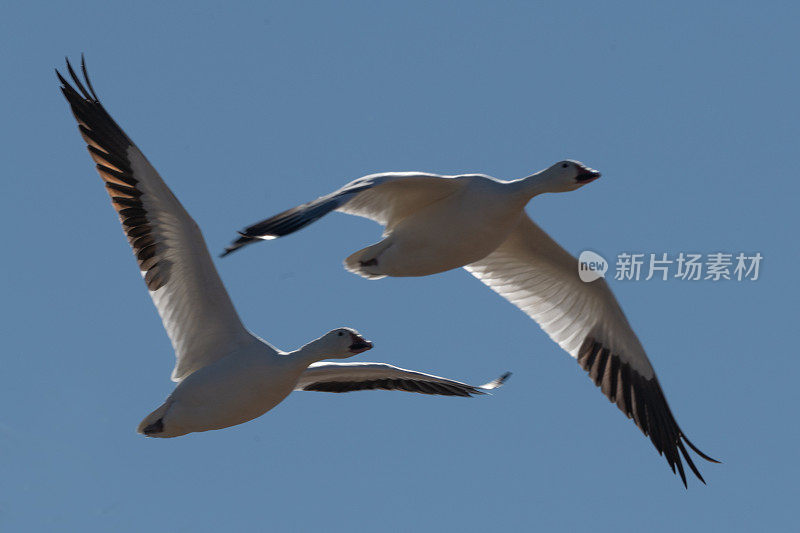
{"points": [[225, 374], [436, 223]]}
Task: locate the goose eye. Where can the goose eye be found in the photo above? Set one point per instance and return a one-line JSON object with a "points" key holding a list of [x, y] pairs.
{"points": [[564, 165], [340, 333]]}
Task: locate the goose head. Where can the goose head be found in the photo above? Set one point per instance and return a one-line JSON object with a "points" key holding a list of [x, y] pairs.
{"points": [[341, 343], [565, 176]]}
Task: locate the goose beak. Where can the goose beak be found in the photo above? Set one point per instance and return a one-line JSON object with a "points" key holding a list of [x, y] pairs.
{"points": [[360, 344], [587, 175]]}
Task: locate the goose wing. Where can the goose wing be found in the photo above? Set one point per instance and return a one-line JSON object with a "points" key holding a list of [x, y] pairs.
{"points": [[534, 273], [347, 377], [174, 261], [385, 198]]}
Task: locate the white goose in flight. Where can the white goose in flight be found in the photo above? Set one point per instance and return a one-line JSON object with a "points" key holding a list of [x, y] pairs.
{"points": [[226, 375], [435, 223]]}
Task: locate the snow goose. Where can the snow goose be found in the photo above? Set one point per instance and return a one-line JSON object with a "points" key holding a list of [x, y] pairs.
{"points": [[226, 375], [435, 223]]}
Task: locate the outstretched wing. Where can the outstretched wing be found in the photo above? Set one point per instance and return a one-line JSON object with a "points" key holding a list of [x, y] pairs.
{"points": [[347, 377], [385, 198], [534, 273], [194, 306]]}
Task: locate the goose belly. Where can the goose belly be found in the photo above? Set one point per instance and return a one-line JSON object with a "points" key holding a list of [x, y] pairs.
{"points": [[226, 395], [444, 237]]}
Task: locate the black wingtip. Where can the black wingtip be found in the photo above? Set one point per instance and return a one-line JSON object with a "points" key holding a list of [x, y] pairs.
{"points": [[494, 384], [253, 235], [698, 452], [242, 241], [86, 77], [61, 79]]}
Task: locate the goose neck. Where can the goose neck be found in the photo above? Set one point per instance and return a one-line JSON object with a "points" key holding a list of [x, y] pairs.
{"points": [[311, 352], [533, 185]]}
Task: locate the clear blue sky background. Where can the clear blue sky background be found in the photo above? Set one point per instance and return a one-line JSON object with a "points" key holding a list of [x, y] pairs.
{"points": [[689, 110]]}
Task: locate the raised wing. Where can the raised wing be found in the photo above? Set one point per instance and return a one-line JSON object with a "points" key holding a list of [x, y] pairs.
{"points": [[347, 377], [194, 306], [534, 273], [385, 198]]}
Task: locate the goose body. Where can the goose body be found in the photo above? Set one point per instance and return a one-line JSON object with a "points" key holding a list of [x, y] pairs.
{"points": [[225, 374], [435, 223], [241, 386], [458, 229]]}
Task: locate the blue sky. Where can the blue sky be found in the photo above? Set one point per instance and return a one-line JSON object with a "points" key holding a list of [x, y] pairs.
{"points": [[690, 111]]}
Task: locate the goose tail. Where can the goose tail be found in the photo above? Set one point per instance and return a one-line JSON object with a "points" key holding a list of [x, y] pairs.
{"points": [[153, 424]]}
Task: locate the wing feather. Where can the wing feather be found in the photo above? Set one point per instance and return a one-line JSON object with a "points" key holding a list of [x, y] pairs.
{"points": [[347, 377], [385, 198], [534, 273], [197, 313]]}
